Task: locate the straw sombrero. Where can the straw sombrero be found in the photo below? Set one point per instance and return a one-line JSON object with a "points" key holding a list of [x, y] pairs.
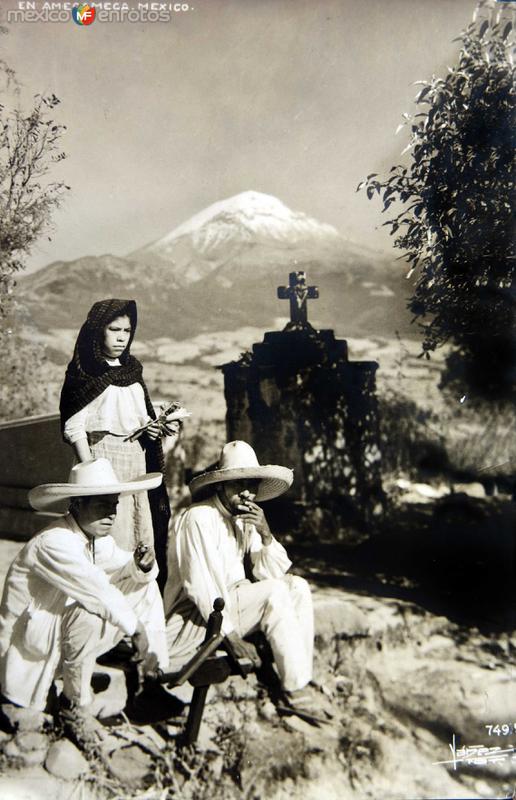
{"points": [[95, 477], [238, 462]]}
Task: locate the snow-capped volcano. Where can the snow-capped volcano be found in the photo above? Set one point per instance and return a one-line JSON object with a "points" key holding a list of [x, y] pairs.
{"points": [[244, 215], [227, 229], [221, 268]]}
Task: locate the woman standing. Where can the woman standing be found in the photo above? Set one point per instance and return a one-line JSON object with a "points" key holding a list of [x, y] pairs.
{"points": [[104, 399]]}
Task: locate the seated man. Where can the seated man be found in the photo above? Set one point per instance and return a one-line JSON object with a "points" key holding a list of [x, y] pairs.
{"points": [[206, 561], [71, 594]]}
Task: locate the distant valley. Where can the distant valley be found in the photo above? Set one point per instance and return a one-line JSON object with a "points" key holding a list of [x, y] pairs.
{"points": [[206, 292], [220, 271]]}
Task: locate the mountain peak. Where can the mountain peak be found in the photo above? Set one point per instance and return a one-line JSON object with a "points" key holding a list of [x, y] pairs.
{"points": [[243, 217], [247, 204], [221, 268]]}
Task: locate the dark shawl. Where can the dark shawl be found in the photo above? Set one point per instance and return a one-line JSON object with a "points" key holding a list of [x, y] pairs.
{"points": [[88, 374]]}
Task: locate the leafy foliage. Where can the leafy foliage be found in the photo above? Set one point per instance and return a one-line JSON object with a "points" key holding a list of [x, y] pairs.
{"points": [[410, 439], [455, 225], [29, 147]]}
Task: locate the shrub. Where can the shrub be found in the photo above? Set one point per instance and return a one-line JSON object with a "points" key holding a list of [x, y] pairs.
{"points": [[410, 437], [455, 225]]}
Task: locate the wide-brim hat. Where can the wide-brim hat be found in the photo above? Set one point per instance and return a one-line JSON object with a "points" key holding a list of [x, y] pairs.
{"points": [[238, 461], [88, 479]]}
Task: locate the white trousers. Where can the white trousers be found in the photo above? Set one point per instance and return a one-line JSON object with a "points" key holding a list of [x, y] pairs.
{"points": [[86, 636], [282, 609]]}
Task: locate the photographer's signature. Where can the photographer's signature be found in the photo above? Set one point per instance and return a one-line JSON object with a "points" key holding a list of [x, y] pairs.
{"points": [[477, 754]]}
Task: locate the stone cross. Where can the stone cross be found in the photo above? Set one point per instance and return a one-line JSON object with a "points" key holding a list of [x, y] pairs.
{"points": [[298, 293]]}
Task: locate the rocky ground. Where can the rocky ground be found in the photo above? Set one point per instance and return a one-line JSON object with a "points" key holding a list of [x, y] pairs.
{"points": [[410, 656]]}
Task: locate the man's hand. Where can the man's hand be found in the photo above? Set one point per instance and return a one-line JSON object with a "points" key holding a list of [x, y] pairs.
{"points": [[140, 643], [243, 649], [144, 557], [252, 513]]}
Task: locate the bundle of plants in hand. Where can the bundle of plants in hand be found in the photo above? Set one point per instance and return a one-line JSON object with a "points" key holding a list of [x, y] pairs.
{"points": [[173, 412]]}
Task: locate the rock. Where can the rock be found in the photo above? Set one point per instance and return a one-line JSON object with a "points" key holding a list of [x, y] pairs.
{"points": [[473, 489], [415, 498], [65, 761], [344, 686], [236, 688], [11, 749], [253, 730], [207, 739], [113, 699], [430, 492], [183, 693], [25, 719], [443, 694], [144, 736], [336, 616], [29, 747], [420, 492], [130, 765], [231, 714], [31, 740], [299, 726], [385, 619], [216, 767], [35, 783], [482, 788], [281, 753], [110, 742], [152, 739], [315, 766], [173, 729], [267, 711], [326, 691]]}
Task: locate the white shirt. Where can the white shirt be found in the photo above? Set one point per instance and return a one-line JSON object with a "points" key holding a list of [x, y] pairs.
{"points": [[120, 410], [53, 569], [205, 559]]}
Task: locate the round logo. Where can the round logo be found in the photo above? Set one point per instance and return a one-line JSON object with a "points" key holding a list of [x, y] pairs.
{"points": [[83, 14]]}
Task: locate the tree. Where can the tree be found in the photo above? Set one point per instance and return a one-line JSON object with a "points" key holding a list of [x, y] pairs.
{"points": [[29, 147], [455, 225]]}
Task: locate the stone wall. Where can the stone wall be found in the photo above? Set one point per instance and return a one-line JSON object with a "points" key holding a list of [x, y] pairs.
{"points": [[300, 402], [32, 452]]}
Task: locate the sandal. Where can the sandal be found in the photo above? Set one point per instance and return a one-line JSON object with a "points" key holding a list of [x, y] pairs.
{"points": [[303, 705], [81, 727]]}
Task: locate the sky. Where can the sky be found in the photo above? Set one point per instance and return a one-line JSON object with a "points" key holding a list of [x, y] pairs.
{"points": [[295, 98]]}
